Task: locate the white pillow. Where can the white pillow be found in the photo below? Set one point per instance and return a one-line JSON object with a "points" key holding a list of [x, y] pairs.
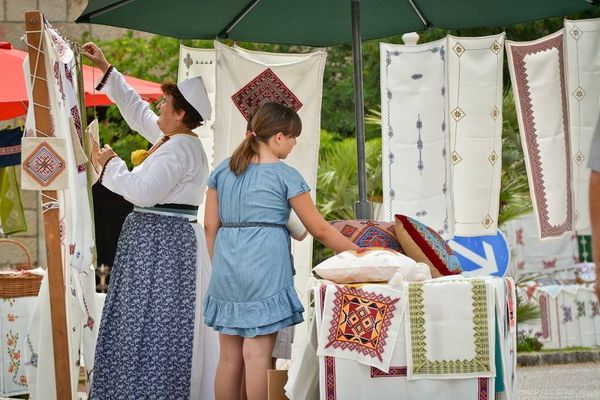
{"points": [[364, 265]]}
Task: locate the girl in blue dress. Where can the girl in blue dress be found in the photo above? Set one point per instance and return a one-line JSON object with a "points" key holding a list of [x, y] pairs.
{"points": [[251, 295]]}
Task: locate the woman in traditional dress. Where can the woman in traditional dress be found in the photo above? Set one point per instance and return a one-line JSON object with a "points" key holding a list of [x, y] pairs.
{"points": [[151, 342]]}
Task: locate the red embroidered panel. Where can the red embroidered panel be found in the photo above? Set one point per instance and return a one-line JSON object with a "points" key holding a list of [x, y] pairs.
{"points": [[394, 371], [44, 164], [544, 316], [519, 54], [360, 321], [264, 88]]}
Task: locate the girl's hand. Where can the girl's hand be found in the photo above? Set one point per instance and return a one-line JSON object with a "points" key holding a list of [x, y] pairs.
{"points": [[92, 52], [102, 156]]}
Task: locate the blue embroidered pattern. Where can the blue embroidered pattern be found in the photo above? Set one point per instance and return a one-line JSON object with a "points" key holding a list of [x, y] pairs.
{"points": [[420, 145]]}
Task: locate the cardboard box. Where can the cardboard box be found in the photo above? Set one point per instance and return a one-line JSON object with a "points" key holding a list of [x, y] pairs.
{"points": [[276, 380]]}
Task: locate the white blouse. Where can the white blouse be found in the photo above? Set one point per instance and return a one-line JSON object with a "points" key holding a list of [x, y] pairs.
{"points": [[175, 173]]}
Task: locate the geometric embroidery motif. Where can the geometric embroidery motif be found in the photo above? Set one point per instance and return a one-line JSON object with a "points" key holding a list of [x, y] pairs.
{"points": [[487, 221], [496, 47], [495, 112], [360, 321], [393, 371], [266, 87], [579, 93], [44, 164], [458, 49], [457, 114], [579, 158], [575, 32], [493, 158], [455, 157]]}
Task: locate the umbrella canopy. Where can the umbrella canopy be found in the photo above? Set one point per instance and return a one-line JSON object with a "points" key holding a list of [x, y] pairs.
{"points": [[315, 22], [13, 93], [320, 23]]}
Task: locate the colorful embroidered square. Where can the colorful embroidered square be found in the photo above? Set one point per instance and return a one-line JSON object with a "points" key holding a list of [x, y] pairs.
{"points": [[44, 165], [10, 147], [265, 87], [366, 233], [361, 324], [450, 331], [423, 244]]}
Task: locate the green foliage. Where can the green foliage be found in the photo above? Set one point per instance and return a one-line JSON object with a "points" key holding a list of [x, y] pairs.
{"points": [[526, 342], [337, 182], [515, 200]]}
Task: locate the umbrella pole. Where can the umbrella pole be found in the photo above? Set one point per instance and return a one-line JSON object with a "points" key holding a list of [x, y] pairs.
{"points": [[362, 208]]}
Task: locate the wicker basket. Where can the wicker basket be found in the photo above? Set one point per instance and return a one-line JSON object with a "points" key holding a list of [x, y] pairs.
{"points": [[19, 283]]}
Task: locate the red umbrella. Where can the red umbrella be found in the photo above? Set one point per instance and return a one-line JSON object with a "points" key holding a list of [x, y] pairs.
{"points": [[13, 94]]}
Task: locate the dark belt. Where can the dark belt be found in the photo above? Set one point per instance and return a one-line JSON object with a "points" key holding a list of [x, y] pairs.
{"points": [[173, 206], [251, 225], [261, 225]]}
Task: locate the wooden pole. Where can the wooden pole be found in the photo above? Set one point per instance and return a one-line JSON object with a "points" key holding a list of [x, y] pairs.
{"points": [[41, 102]]}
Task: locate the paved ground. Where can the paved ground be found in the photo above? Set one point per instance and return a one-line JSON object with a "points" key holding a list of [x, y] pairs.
{"points": [[569, 381]]}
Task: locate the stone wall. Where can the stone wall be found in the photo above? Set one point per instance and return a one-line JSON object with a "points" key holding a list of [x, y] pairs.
{"points": [[60, 13]]}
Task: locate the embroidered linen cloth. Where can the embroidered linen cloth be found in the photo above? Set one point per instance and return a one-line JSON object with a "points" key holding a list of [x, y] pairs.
{"points": [[361, 324], [10, 147], [530, 254], [569, 316], [537, 73], [342, 379], [15, 316], [12, 215], [415, 139], [475, 125], [244, 80], [583, 88], [201, 62], [450, 329], [77, 239]]}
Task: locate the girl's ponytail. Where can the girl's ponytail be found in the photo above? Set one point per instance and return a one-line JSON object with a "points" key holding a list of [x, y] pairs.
{"points": [[241, 157], [268, 120]]}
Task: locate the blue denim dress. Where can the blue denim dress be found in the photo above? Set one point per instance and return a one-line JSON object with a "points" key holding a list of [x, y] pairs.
{"points": [[251, 290]]}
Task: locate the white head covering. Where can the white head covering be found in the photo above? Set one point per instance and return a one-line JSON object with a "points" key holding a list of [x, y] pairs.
{"points": [[194, 91]]}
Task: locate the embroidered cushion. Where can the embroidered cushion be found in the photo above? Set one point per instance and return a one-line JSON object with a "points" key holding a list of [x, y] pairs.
{"points": [[423, 244], [364, 265], [366, 233]]}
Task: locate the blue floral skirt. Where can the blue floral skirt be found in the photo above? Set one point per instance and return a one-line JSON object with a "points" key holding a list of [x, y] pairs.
{"points": [[145, 341]]}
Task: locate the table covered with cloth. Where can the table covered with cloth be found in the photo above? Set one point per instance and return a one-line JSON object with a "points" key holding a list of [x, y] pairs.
{"points": [[449, 338]]}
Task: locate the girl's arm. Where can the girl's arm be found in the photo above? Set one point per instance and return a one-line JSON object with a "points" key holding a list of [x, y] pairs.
{"points": [[317, 226], [212, 221]]}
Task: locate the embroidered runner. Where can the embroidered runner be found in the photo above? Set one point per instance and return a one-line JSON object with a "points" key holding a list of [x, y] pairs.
{"points": [[415, 138], [537, 73], [475, 124], [450, 339], [583, 90]]}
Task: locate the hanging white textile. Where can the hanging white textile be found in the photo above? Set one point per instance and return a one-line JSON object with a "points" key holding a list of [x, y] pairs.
{"points": [[530, 254], [77, 239], [201, 62], [583, 88], [244, 80], [537, 73], [415, 140], [475, 124]]}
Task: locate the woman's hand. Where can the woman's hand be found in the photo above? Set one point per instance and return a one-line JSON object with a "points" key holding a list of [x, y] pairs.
{"points": [[92, 52], [102, 156]]}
